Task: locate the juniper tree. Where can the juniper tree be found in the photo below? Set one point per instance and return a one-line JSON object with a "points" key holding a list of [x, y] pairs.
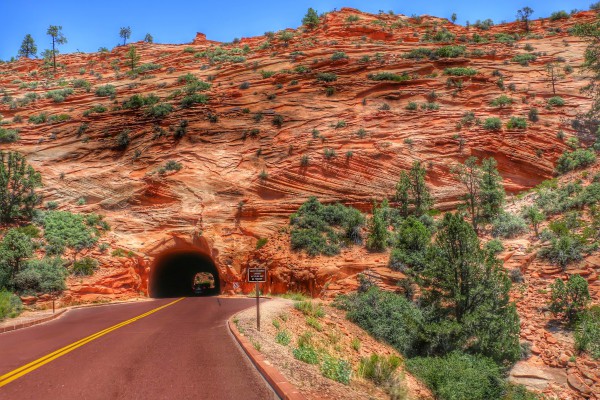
{"points": [[465, 296], [148, 38], [18, 181], [523, 15], [28, 47], [55, 32], [412, 191], [125, 33], [378, 232], [133, 57], [311, 19]]}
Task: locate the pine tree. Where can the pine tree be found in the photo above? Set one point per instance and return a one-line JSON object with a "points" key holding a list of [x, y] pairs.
{"points": [[28, 47], [492, 191], [148, 38], [125, 33], [311, 19], [133, 57], [378, 230], [18, 182], [569, 299], [412, 191], [523, 15], [55, 32], [467, 297]]}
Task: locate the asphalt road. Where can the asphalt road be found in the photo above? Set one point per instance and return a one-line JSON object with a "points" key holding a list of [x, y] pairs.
{"points": [[183, 351]]}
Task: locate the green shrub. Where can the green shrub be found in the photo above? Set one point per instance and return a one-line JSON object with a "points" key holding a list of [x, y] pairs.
{"points": [[38, 119], [389, 76], [323, 229], [310, 308], [314, 323], [556, 15], [159, 110], [508, 225], [10, 305], [283, 338], [587, 332], [524, 59], [533, 115], [106, 91], [170, 165], [138, 101], [192, 99], [502, 101], [306, 353], [42, 276], [336, 369], [85, 267], [563, 250], [516, 123], [379, 369], [267, 74], [261, 242], [569, 300], [63, 229], [492, 124], [459, 376], [386, 316], [59, 95], [572, 160], [494, 246], [326, 77], [556, 101], [8, 135], [411, 106], [339, 55], [450, 51], [460, 71]]}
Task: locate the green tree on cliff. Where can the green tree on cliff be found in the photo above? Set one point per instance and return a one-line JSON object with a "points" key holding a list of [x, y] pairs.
{"points": [[125, 33], [412, 192], [311, 19], [55, 32], [18, 181], [28, 47]]}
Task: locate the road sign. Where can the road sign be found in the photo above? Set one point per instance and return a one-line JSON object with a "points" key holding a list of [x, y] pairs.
{"points": [[257, 274]]}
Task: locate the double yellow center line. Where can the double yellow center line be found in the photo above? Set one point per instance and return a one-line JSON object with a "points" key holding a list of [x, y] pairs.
{"points": [[32, 366]]}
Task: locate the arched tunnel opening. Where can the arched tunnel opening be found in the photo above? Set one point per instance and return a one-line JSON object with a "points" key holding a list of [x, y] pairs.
{"points": [[183, 274]]}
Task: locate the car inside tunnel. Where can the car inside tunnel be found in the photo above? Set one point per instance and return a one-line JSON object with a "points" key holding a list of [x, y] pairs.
{"points": [[176, 274]]}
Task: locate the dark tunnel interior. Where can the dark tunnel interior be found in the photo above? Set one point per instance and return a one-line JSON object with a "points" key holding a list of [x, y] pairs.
{"points": [[173, 275]]}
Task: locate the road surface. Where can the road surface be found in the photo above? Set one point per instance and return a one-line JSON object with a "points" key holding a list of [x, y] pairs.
{"points": [[181, 351]]}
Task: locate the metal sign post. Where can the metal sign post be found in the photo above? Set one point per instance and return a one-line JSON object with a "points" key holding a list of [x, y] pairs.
{"points": [[257, 275]]}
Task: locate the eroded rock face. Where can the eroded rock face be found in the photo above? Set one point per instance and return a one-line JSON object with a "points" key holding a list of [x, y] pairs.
{"points": [[220, 202]]}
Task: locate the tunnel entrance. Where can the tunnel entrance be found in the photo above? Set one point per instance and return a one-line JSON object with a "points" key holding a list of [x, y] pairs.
{"points": [[178, 274]]}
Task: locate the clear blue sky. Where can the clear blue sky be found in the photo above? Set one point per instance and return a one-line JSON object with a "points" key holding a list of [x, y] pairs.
{"points": [[89, 25]]}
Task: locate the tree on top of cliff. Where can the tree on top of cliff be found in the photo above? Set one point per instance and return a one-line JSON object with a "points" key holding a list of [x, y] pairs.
{"points": [[148, 38], [125, 33], [311, 19], [523, 15], [18, 181], [55, 32], [28, 47]]}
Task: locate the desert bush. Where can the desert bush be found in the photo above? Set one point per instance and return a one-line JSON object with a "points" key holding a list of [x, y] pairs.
{"points": [[459, 376], [63, 229], [192, 99], [59, 95], [388, 76], [556, 15], [38, 119], [571, 299], [576, 159], [159, 110], [460, 71], [323, 229], [106, 91], [8, 135], [587, 332], [306, 353], [310, 308], [339, 55], [563, 250], [508, 225], [411, 106], [524, 59], [10, 305], [492, 124], [85, 267], [516, 123], [502, 101], [41, 276], [336, 369], [326, 77], [556, 101], [283, 338], [138, 101]]}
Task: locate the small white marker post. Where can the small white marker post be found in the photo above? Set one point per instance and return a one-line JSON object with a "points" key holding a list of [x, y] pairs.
{"points": [[257, 275]]}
